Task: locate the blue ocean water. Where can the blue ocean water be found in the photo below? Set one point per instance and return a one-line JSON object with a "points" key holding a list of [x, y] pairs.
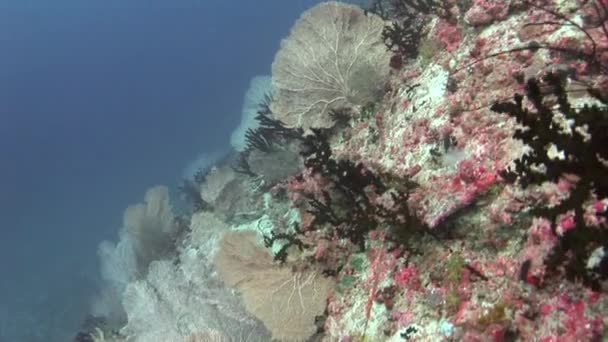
{"points": [[100, 100]]}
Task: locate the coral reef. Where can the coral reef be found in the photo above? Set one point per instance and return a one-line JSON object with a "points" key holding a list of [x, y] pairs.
{"points": [[459, 196]]}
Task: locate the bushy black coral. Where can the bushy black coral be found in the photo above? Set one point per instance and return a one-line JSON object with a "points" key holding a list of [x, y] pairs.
{"points": [[400, 8], [269, 133], [403, 35], [346, 205], [584, 156]]}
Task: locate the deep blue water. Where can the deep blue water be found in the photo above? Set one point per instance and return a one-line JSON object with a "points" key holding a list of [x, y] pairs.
{"points": [[100, 100]]}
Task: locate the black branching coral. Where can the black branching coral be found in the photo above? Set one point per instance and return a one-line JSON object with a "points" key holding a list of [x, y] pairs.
{"points": [[269, 133], [353, 214], [578, 152], [401, 8], [402, 36], [345, 206]]}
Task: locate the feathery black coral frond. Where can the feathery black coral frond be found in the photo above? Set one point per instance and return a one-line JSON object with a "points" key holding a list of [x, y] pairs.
{"points": [[579, 151]]}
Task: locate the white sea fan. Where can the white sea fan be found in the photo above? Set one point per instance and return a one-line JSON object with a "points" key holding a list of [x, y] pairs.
{"points": [[186, 301], [286, 301], [333, 57]]}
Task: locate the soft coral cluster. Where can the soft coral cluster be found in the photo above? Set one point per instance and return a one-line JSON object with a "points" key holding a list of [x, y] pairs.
{"points": [[382, 264], [448, 34], [484, 12], [575, 321]]}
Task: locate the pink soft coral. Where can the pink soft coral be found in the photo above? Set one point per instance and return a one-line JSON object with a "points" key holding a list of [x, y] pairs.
{"points": [[484, 12]]}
